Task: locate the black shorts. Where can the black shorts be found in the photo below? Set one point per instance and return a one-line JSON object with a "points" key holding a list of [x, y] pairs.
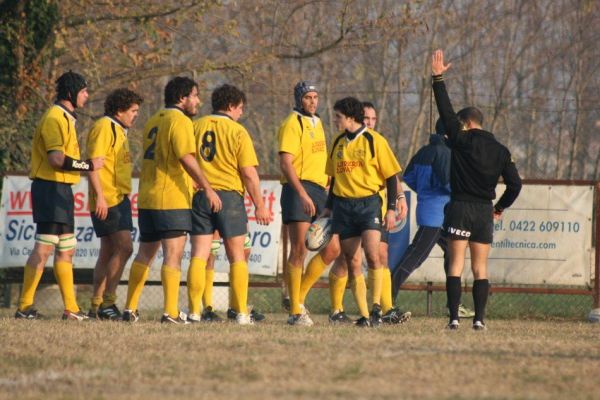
{"points": [[291, 206], [231, 221], [52, 202], [53, 228], [353, 216], [117, 219], [464, 220], [385, 235], [163, 224]]}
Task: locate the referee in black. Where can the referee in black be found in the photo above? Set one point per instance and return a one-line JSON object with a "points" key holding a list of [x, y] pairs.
{"points": [[478, 160]]}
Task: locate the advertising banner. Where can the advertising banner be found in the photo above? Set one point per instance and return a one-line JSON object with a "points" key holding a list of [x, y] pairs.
{"points": [[18, 230]]}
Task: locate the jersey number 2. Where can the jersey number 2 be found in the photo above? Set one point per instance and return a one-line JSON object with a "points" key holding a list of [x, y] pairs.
{"points": [[208, 149], [149, 153]]}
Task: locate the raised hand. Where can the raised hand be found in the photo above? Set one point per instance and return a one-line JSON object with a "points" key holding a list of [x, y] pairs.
{"points": [[437, 63]]}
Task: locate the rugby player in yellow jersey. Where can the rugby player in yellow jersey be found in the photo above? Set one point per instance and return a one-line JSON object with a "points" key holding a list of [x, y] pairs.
{"points": [[338, 275], [108, 190], [302, 158], [55, 166], [226, 154], [360, 163], [165, 196]]}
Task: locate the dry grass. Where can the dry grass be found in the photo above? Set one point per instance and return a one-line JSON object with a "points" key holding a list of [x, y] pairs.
{"points": [[513, 359]]}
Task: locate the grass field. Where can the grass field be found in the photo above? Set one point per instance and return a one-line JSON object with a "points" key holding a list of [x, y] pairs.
{"points": [[51, 359]]}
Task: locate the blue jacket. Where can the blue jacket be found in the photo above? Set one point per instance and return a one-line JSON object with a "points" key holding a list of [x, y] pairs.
{"points": [[428, 174]]}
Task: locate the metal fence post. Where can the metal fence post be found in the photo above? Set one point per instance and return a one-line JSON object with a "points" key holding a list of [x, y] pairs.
{"points": [[429, 298]]}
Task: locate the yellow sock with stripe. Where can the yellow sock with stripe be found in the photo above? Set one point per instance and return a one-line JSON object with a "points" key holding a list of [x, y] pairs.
{"points": [[63, 272], [208, 288], [359, 290], [375, 284], [137, 278], [196, 281], [313, 272], [171, 277], [95, 303], [386, 290], [238, 276], [31, 279], [108, 300], [295, 281], [337, 288]]}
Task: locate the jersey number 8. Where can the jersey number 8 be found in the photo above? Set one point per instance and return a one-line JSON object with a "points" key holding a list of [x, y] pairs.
{"points": [[208, 148]]}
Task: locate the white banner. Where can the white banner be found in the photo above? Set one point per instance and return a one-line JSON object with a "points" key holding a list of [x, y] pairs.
{"points": [[543, 239], [18, 230]]}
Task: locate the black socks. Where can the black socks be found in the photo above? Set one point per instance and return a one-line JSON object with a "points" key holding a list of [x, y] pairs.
{"points": [[481, 288], [453, 293]]}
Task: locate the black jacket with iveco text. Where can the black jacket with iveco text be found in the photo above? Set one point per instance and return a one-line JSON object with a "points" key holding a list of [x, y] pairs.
{"points": [[478, 159]]}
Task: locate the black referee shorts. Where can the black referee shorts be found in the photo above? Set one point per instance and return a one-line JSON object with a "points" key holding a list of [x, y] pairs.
{"points": [[464, 220]]}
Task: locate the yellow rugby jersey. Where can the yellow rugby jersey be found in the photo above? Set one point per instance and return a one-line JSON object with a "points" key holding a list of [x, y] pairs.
{"points": [[55, 131], [360, 166], [164, 184], [304, 138], [108, 139], [223, 147]]}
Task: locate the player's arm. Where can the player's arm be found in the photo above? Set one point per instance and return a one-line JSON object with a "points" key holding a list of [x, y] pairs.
{"points": [[442, 100], [287, 168], [512, 180], [252, 184], [189, 163], [101, 210], [59, 160], [391, 185], [401, 204]]}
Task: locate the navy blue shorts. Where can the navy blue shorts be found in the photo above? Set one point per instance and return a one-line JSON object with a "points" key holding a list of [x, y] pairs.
{"points": [[351, 217], [291, 206], [163, 224], [117, 219], [231, 221]]}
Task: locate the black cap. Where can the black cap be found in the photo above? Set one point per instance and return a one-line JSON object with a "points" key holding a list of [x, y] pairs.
{"points": [[68, 85]]}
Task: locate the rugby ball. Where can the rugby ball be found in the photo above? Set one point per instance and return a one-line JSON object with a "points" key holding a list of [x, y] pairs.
{"points": [[398, 223], [319, 234]]}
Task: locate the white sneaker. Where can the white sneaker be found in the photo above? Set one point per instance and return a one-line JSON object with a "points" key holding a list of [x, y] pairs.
{"points": [[300, 320], [193, 318], [303, 310], [453, 325], [244, 319], [479, 326]]}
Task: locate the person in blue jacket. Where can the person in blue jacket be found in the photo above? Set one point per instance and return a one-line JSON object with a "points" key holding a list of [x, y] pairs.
{"points": [[427, 174]]}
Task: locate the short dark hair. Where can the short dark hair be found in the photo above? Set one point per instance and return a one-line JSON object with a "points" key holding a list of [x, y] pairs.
{"points": [[178, 88], [225, 96], [351, 107], [470, 114], [368, 104], [120, 100]]}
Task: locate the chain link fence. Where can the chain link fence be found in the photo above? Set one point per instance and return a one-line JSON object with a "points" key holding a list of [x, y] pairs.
{"points": [[266, 294]]}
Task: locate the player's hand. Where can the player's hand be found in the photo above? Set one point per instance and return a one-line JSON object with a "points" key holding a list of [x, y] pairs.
{"points": [[497, 215], [263, 216], [389, 220], [101, 210], [98, 163], [437, 63], [307, 205], [214, 200], [402, 207]]}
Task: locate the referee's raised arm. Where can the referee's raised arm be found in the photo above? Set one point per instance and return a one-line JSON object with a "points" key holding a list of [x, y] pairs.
{"points": [[442, 100]]}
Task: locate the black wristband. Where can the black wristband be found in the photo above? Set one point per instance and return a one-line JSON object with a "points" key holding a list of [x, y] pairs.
{"points": [[498, 209], [71, 164]]}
